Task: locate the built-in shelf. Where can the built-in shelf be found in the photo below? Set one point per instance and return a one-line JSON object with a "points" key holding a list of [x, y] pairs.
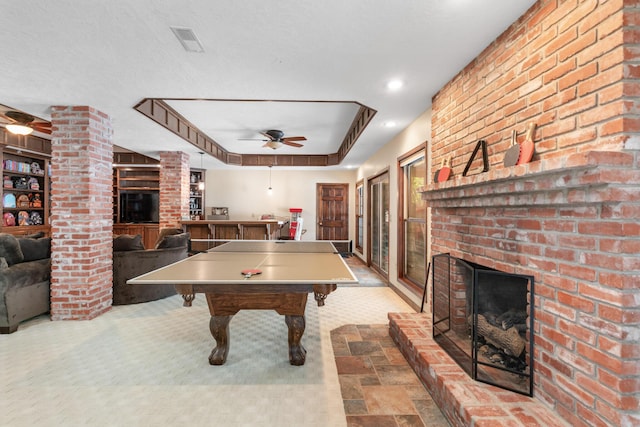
{"points": [[196, 194], [25, 192], [132, 179]]}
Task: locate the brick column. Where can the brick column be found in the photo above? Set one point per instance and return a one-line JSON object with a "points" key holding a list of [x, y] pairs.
{"points": [[81, 213], [174, 188]]}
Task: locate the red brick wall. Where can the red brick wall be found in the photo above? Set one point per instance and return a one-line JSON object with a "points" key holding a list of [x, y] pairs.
{"points": [[563, 65], [174, 188], [81, 213], [571, 217]]}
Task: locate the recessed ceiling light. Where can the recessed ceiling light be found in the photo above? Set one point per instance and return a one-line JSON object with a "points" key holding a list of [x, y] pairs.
{"points": [[395, 84], [389, 124]]}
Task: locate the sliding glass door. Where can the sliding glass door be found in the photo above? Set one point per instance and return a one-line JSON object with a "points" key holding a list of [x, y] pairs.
{"points": [[379, 227]]}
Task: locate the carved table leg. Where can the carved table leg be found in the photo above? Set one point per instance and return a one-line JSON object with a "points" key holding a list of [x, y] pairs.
{"points": [[219, 327], [186, 291], [320, 297], [297, 353], [188, 299], [320, 292]]}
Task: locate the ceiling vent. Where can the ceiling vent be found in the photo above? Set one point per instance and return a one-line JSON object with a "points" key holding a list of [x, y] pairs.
{"points": [[188, 39]]}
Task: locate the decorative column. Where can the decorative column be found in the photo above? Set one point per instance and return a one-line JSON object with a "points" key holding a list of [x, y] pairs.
{"points": [[174, 188], [81, 213]]}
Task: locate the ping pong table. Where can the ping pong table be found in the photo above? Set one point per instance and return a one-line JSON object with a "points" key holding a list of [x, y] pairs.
{"points": [[256, 275]]}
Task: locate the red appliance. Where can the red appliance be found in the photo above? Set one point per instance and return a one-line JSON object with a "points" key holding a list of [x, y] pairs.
{"points": [[293, 221]]}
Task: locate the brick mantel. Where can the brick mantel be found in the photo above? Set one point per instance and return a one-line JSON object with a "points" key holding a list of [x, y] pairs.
{"points": [[583, 178]]}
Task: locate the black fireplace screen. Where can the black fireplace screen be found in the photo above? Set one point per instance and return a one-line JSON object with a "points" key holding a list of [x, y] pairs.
{"points": [[483, 318]]}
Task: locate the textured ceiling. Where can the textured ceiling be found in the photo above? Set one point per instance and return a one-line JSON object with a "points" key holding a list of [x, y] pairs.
{"points": [[112, 54]]}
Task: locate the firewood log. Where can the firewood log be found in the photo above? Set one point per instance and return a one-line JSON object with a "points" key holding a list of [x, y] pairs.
{"points": [[509, 341]]}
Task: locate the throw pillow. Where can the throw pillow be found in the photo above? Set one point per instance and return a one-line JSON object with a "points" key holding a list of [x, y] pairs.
{"points": [[33, 249], [10, 249], [175, 241], [166, 232], [3, 263], [126, 242]]}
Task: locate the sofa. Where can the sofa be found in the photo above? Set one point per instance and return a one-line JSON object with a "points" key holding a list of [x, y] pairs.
{"points": [[25, 271], [131, 259]]}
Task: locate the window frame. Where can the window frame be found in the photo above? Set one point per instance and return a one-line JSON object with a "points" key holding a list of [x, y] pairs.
{"points": [[360, 229], [419, 153]]}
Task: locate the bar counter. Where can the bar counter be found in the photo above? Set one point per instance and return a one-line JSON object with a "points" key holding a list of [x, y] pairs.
{"points": [[206, 234]]}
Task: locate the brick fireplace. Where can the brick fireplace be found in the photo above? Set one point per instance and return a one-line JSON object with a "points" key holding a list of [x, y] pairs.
{"points": [[571, 217], [577, 234]]}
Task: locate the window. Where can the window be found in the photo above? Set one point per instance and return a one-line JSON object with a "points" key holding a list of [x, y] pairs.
{"points": [[359, 215], [412, 172]]}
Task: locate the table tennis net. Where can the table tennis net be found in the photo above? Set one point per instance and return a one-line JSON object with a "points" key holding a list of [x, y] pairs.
{"points": [[276, 246]]}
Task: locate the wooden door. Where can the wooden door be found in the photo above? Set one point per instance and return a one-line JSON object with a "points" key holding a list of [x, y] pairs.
{"points": [[332, 211]]}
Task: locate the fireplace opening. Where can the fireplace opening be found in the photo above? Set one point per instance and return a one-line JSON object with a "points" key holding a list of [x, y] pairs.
{"points": [[483, 318]]}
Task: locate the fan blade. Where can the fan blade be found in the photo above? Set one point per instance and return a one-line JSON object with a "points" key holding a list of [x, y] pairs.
{"points": [[41, 127], [294, 138], [292, 144]]}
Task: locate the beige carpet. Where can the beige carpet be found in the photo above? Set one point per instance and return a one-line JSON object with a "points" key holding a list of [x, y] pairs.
{"points": [[146, 365]]}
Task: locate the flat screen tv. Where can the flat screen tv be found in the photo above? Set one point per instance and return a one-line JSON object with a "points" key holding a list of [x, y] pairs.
{"points": [[139, 206]]}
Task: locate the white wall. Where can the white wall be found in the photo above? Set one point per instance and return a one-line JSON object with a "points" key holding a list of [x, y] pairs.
{"points": [[415, 134], [244, 192]]}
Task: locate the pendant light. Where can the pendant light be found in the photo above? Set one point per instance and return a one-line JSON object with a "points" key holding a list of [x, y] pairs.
{"points": [[270, 190], [201, 183]]}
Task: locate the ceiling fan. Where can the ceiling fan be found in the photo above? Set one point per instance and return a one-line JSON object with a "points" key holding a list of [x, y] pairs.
{"points": [[276, 139], [26, 121]]}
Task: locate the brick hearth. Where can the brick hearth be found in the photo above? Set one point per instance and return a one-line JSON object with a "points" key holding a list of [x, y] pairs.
{"points": [[464, 402]]}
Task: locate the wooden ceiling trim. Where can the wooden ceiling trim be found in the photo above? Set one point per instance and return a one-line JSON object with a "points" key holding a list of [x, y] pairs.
{"points": [[234, 159], [360, 122], [132, 158], [160, 112], [333, 159]]}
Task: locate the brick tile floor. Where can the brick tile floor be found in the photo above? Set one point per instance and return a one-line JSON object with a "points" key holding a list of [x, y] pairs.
{"points": [[379, 388]]}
